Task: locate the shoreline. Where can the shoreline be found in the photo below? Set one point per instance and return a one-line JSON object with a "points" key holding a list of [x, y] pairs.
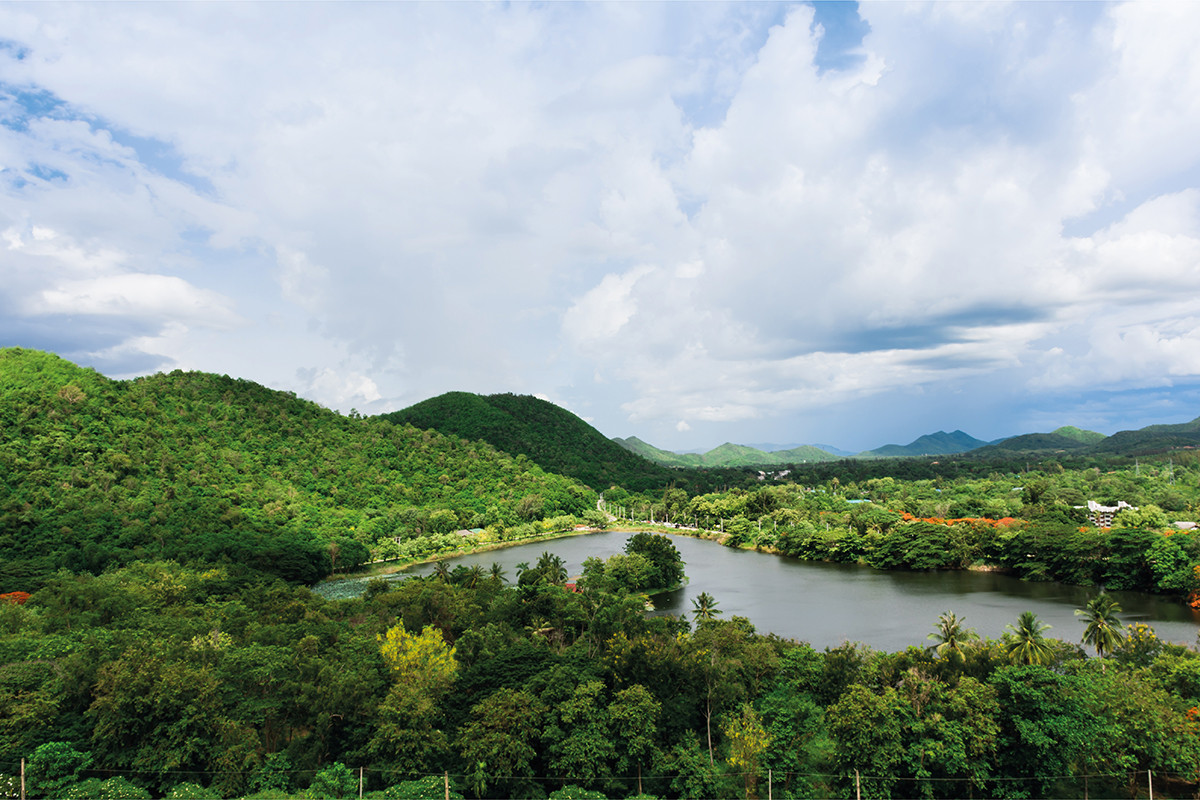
{"points": [[382, 569], [379, 569]]}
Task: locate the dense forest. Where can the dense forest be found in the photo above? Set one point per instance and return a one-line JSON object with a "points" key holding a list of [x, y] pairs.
{"points": [[556, 440], [159, 679], [206, 469], [158, 636], [1033, 524]]}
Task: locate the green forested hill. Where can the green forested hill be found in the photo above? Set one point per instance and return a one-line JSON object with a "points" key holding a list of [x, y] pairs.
{"points": [[201, 467], [931, 444], [727, 455], [665, 457], [1152, 439], [1079, 434], [1030, 443], [550, 436]]}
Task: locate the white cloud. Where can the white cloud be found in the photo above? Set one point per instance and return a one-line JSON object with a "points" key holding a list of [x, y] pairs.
{"points": [[605, 309], [135, 295], [667, 209], [337, 388]]}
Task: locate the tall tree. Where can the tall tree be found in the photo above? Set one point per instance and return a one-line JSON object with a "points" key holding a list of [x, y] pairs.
{"points": [[950, 636], [1103, 630], [1026, 643], [705, 607], [499, 741], [634, 719]]}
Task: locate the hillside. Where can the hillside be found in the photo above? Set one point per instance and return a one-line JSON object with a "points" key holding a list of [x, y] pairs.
{"points": [[1154, 439], [664, 457], [201, 467], [726, 455], [1079, 435], [1030, 443], [931, 444], [550, 436]]}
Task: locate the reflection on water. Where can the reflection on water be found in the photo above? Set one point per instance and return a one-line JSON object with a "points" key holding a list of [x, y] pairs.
{"points": [[826, 604]]}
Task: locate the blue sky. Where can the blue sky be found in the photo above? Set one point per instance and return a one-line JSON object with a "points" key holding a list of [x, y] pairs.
{"points": [[689, 222]]}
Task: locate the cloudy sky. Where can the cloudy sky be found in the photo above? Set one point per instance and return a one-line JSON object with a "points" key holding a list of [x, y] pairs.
{"points": [[846, 224]]}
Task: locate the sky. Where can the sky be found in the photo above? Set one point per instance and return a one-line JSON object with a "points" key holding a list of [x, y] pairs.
{"points": [[848, 224]]}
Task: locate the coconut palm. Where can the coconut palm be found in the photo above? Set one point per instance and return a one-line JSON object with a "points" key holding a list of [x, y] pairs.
{"points": [[473, 577], [1026, 644], [705, 606], [552, 568], [497, 572], [1103, 630], [951, 636], [441, 570]]}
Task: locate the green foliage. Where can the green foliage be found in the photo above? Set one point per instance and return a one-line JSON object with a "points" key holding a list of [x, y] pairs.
{"points": [[191, 791], [165, 669], [206, 469], [425, 659], [950, 637], [547, 435], [275, 773], [665, 562], [650, 563], [187, 508], [335, 781], [54, 767], [576, 793], [428, 788], [117, 788], [1103, 627], [1025, 642], [1044, 730]]}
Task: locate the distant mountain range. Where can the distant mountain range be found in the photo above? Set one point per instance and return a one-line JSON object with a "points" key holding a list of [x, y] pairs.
{"points": [[561, 442], [550, 436], [727, 455], [1153, 439], [931, 444]]}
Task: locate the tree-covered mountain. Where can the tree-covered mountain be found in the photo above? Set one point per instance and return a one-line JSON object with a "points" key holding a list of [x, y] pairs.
{"points": [[1079, 435], [727, 455], [665, 457], [204, 468], [1030, 443], [548, 435], [1152, 439], [931, 444]]}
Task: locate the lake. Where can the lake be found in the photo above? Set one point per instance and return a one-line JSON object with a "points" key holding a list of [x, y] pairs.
{"points": [[827, 604]]}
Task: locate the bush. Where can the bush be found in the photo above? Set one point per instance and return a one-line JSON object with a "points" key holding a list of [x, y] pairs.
{"points": [[191, 791], [111, 789], [336, 780], [429, 788], [54, 767]]}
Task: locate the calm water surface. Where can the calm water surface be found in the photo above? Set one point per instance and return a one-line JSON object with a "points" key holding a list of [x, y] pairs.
{"points": [[826, 604]]}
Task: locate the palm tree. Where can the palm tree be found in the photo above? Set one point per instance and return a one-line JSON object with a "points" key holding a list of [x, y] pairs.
{"points": [[1103, 630], [552, 568], [441, 570], [1026, 644], [498, 572], [705, 606], [951, 636], [474, 576]]}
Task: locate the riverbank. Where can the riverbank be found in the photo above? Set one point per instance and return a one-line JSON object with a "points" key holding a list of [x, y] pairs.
{"points": [[381, 569]]}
